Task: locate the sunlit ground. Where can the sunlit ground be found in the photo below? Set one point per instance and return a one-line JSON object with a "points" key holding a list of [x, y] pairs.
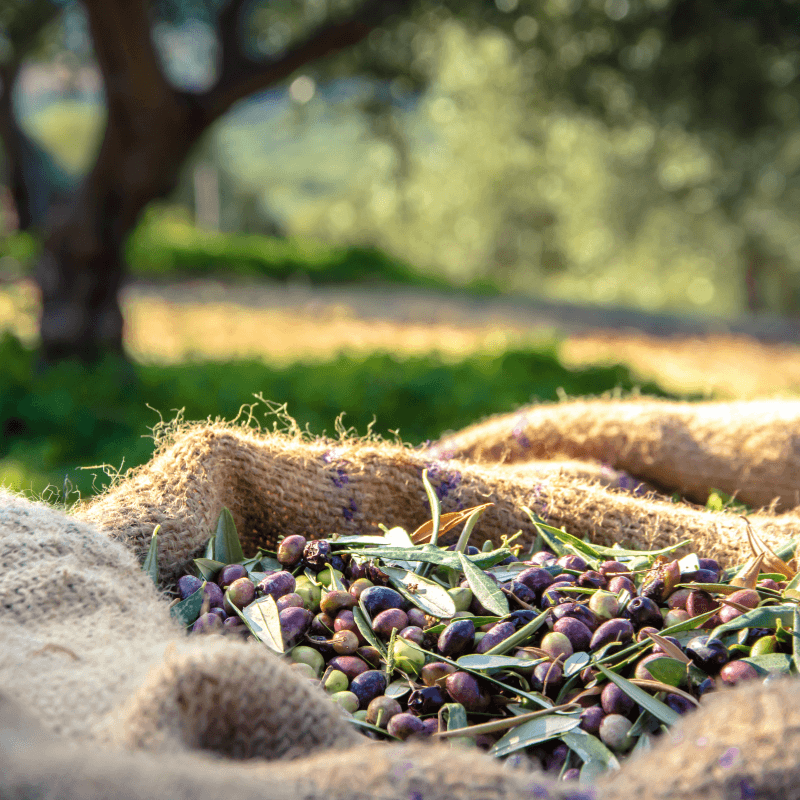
{"points": [[207, 320]]}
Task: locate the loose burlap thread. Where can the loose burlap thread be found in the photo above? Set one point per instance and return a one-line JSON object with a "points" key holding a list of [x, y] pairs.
{"points": [[117, 701]]}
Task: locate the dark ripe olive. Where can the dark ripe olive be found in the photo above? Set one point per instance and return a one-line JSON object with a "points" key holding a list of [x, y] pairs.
{"points": [[188, 585], [367, 686], [431, 725], [521, 617], [470, 551], [294, 623], [745, 597], [337, 562], [405, 726], [289, 600], [592, 580], [414, 634], [381, 709], [356, 570], [290, 550], [497, 634], [641, 634], [390, 620], [333, 602], [615, 630], [575, 563], [241, 592], [317, 554], [278, 584], [434, 671], [621, 583], [679, 704], [345, 621], [576, 611], [546, 677], [591, 719], [705, 686], [678, 599], [612, 568], [208, 623], [234, 625], [552, 596], [615, 701], [465, 689], [572, 774], [523, 593], [322, 625], [768, 583], [379, 598], [322, 645], [417, 617], [660, 581], [554, 761], [457, 638], [352, 666], [578, 634], [642, 611], [213, 594], [709, 654], [512, 559], [345, 642], [426, 701], [376, 574], [370, 654], [359, 586], [230, 573], [710, 564], [737, 671], [536, 579], [542, 558], [220, 613], [699, 602], [700, 576]]}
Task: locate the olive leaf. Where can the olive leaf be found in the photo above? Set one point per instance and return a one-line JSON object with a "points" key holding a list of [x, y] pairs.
{"points": [[208, 567], [398, 688], [484, 588], [534, 732], [436, 508], [336, 584], [747, 576], [478, 622], [667, 670], [452, 716], [796, 639], [669, 648], [771, 662], [360, 617], [187, 611], [571, 544], [521, 636], [424, 593], [658, 709], [590, 749], [762, 617], [771, 559], [469, 526], [227, 547], [575, 663], [482, 662], [447, 522], [434, 555], [263, 620], [150, 565]]}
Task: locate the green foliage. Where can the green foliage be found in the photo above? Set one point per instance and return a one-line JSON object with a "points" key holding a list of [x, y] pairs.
{"points": [[69, 416]]}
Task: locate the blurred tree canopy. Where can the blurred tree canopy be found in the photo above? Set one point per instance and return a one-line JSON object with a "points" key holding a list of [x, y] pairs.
{"points": [[694, 102]]}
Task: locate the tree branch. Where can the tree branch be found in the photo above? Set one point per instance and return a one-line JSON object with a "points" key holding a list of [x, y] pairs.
{"points": [[241, 76]]}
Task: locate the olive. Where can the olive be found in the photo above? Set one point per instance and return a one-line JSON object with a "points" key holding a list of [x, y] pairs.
{"points": [[317, 554], [393, 619], [371, 655], [604, 604], [367, 686], [576, 611], [431, 725], [213, 594], [234, 625], [699, 602], [700, 576], [435, 671], [322, 625], [457, 638], [310, 656], [676, 616], [334, 602], [290, 550], [553, 596], [575, 563], [679, 704], [207, 623], [578, 634], [612, 568], [334, 681], [347, 700], [642, 611], [380, 598], [557, 644], [614, 701], [536, 579], [413, 634], [615, 630], [591, 719], [737, 671], [425, 701], [381, 709], [359, 586], [709, 654], [592, 580], [615, 732], [672, 640], [188, 585], [376, 574], [678, 598], [572, 774], [345, 621], [522, 592], [500, 632], [764, 646], [240, 593], [344, 642], [278, 584], [405, 726], [229, 574], [521, 617], [290, 600], [337, 563], [356, 570], [710, 564], [621, 583], [352, 666], [294, 623], [417, 617], [462, 597], [465, 689], [542, 558], [546, 677]]}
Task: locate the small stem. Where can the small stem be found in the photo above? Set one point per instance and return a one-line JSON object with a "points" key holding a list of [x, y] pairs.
{"points": [[504, 724]]}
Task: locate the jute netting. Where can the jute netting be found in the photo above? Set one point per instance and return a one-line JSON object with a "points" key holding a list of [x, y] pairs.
{"points": [[103, 695]]}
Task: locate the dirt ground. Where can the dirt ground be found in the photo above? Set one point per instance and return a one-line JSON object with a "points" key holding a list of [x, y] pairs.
{"points": [[281, 324]]}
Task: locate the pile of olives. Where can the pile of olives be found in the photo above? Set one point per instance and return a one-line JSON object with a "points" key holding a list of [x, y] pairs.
{"points": [[616, 648]]}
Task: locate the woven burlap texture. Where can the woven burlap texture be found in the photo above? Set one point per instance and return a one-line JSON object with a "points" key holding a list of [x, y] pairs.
{"points": [[748, 448], [278, 484]]}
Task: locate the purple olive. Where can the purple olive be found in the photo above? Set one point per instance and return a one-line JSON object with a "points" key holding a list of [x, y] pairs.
{"points": [[425, 701], [672, 640], [417, 617], [621, 583], [213, 594], [381, 709], [578, 634], [352, 666], [229, 574], [207, 623], [294, 623], [679, 703], [291, 600], [344, 642], [737, 671], [233, 624], [465, 689], [390, 620], [572, 774], [615, 630], [592, 580], [357, 587], [370, 655], [406, 726], [522, 592], [546, 677], [188, 585], [241, 593], [643, 612], [500, 632], [699, 602], [414, 634], [553, 596], [709, 654], [554, 760], [615, 701], [380, 598], [322, 625], [542, 559], [536, 579], [220, 612], [591, 719], [710, 564], [334, 602], [431, 725], [574, 563], [576, 611], [435, 671], [457, 638], [278, 584], [367, 686], [290, 550], [700, 576], [612, 568], [317, 554]]}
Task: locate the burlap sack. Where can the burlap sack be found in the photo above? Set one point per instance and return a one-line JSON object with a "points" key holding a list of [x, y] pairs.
{"points": [[278, 483], [751, 449]]}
